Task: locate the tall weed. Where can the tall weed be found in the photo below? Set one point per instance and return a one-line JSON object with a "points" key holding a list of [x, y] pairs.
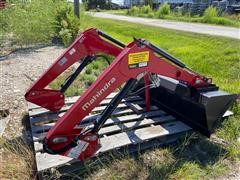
{"points": [[210, 13], [67, 24], [163, 10], [133, 11], [31, 22], [146, 9], [37, 21]]}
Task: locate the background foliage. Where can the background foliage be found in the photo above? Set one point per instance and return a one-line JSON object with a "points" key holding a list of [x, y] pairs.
{"points": [[210, 16], [35, 21]]}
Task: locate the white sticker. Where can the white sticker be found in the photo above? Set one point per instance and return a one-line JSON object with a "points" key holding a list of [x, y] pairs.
{"points": [[62, 61], [72, 51], [82, 37], [76, 151], [143, 64]]}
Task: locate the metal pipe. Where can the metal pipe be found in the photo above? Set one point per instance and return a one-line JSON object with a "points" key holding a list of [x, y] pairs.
{"points": [[113, 104], [111, 39], [70, 80]]}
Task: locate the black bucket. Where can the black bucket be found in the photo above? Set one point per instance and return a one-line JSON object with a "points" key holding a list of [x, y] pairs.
{"points": [[201, 111]]}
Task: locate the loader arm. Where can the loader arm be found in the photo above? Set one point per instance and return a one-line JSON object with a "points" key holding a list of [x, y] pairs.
{"points": [[83, 49], [67, 137]]}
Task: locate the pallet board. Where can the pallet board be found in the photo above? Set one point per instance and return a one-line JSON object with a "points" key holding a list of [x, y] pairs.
{"points": [[130, 126]]}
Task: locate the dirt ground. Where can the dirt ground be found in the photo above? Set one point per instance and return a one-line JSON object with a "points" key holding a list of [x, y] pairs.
{"points": [[18, 71]]}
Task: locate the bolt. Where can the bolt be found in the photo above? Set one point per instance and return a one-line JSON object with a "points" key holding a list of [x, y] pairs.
{"points": [[198, 81]]}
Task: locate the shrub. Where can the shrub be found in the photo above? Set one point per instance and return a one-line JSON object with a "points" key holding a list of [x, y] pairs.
{"points": [[133, 11], [88, 70], [150, 15], [89, 79], [146, 9], [209, 14], [66, 24], [163, 10]]}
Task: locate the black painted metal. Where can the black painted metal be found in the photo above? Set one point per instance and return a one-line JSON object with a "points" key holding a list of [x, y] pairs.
{"points": [[111, 38], [201, 111], [70, 80], [161, 52], [113, 104]]}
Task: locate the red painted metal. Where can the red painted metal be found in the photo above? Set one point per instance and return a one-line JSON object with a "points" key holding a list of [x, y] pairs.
{"points": [[89, 43]]}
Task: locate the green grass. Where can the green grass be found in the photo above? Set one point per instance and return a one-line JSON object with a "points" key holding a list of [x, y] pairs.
{"points": [[211, 56], [86, 78], [193, 157], [27, 23], [225, 20]]}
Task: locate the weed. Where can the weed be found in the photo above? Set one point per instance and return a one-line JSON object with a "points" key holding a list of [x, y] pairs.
{"points": [[230, 131], [188, 170], [160, 163], [211, 16], [30, 22], [83, 81], [17, 161], [150, 15], [67, 24], [163, 10], [214, 170], [127, 168], [162, 156], [210, 13], [133, 11], [88, 79], [88, 70], [146, 9]]}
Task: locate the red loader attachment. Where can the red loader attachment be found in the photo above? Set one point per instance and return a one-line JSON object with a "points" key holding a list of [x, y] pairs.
{"points": [[145, 69]]}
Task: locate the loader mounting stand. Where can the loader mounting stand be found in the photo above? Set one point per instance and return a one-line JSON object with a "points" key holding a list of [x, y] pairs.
{"points": [[140, 65]]}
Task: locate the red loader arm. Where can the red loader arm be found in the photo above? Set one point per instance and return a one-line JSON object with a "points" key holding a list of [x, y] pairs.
{"points": [[89, 43], [67, 137]]}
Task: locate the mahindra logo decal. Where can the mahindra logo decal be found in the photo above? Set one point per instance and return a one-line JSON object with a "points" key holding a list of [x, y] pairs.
{"points": [[98, 94]]}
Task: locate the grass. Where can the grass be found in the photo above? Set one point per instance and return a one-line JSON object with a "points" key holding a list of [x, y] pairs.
{"points": [[194, 156], [87, 77], [27, 23], [215, 57], [17, 160], [225, 20]]}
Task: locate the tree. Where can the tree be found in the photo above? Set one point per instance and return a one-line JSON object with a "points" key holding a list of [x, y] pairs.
{"points": [[102, 4]]}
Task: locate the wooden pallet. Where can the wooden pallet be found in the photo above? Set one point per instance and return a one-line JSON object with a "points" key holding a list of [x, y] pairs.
{"points": [[130, 126]]}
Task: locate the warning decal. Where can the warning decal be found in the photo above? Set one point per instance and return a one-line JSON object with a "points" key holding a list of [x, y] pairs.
{"points": [[139, 59]]}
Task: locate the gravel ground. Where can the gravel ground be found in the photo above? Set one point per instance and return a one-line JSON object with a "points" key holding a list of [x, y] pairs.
{"points": [[17, 72]]}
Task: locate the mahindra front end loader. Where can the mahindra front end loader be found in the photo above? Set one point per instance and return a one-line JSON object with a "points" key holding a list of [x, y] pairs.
{"points": [[145, 70]]}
